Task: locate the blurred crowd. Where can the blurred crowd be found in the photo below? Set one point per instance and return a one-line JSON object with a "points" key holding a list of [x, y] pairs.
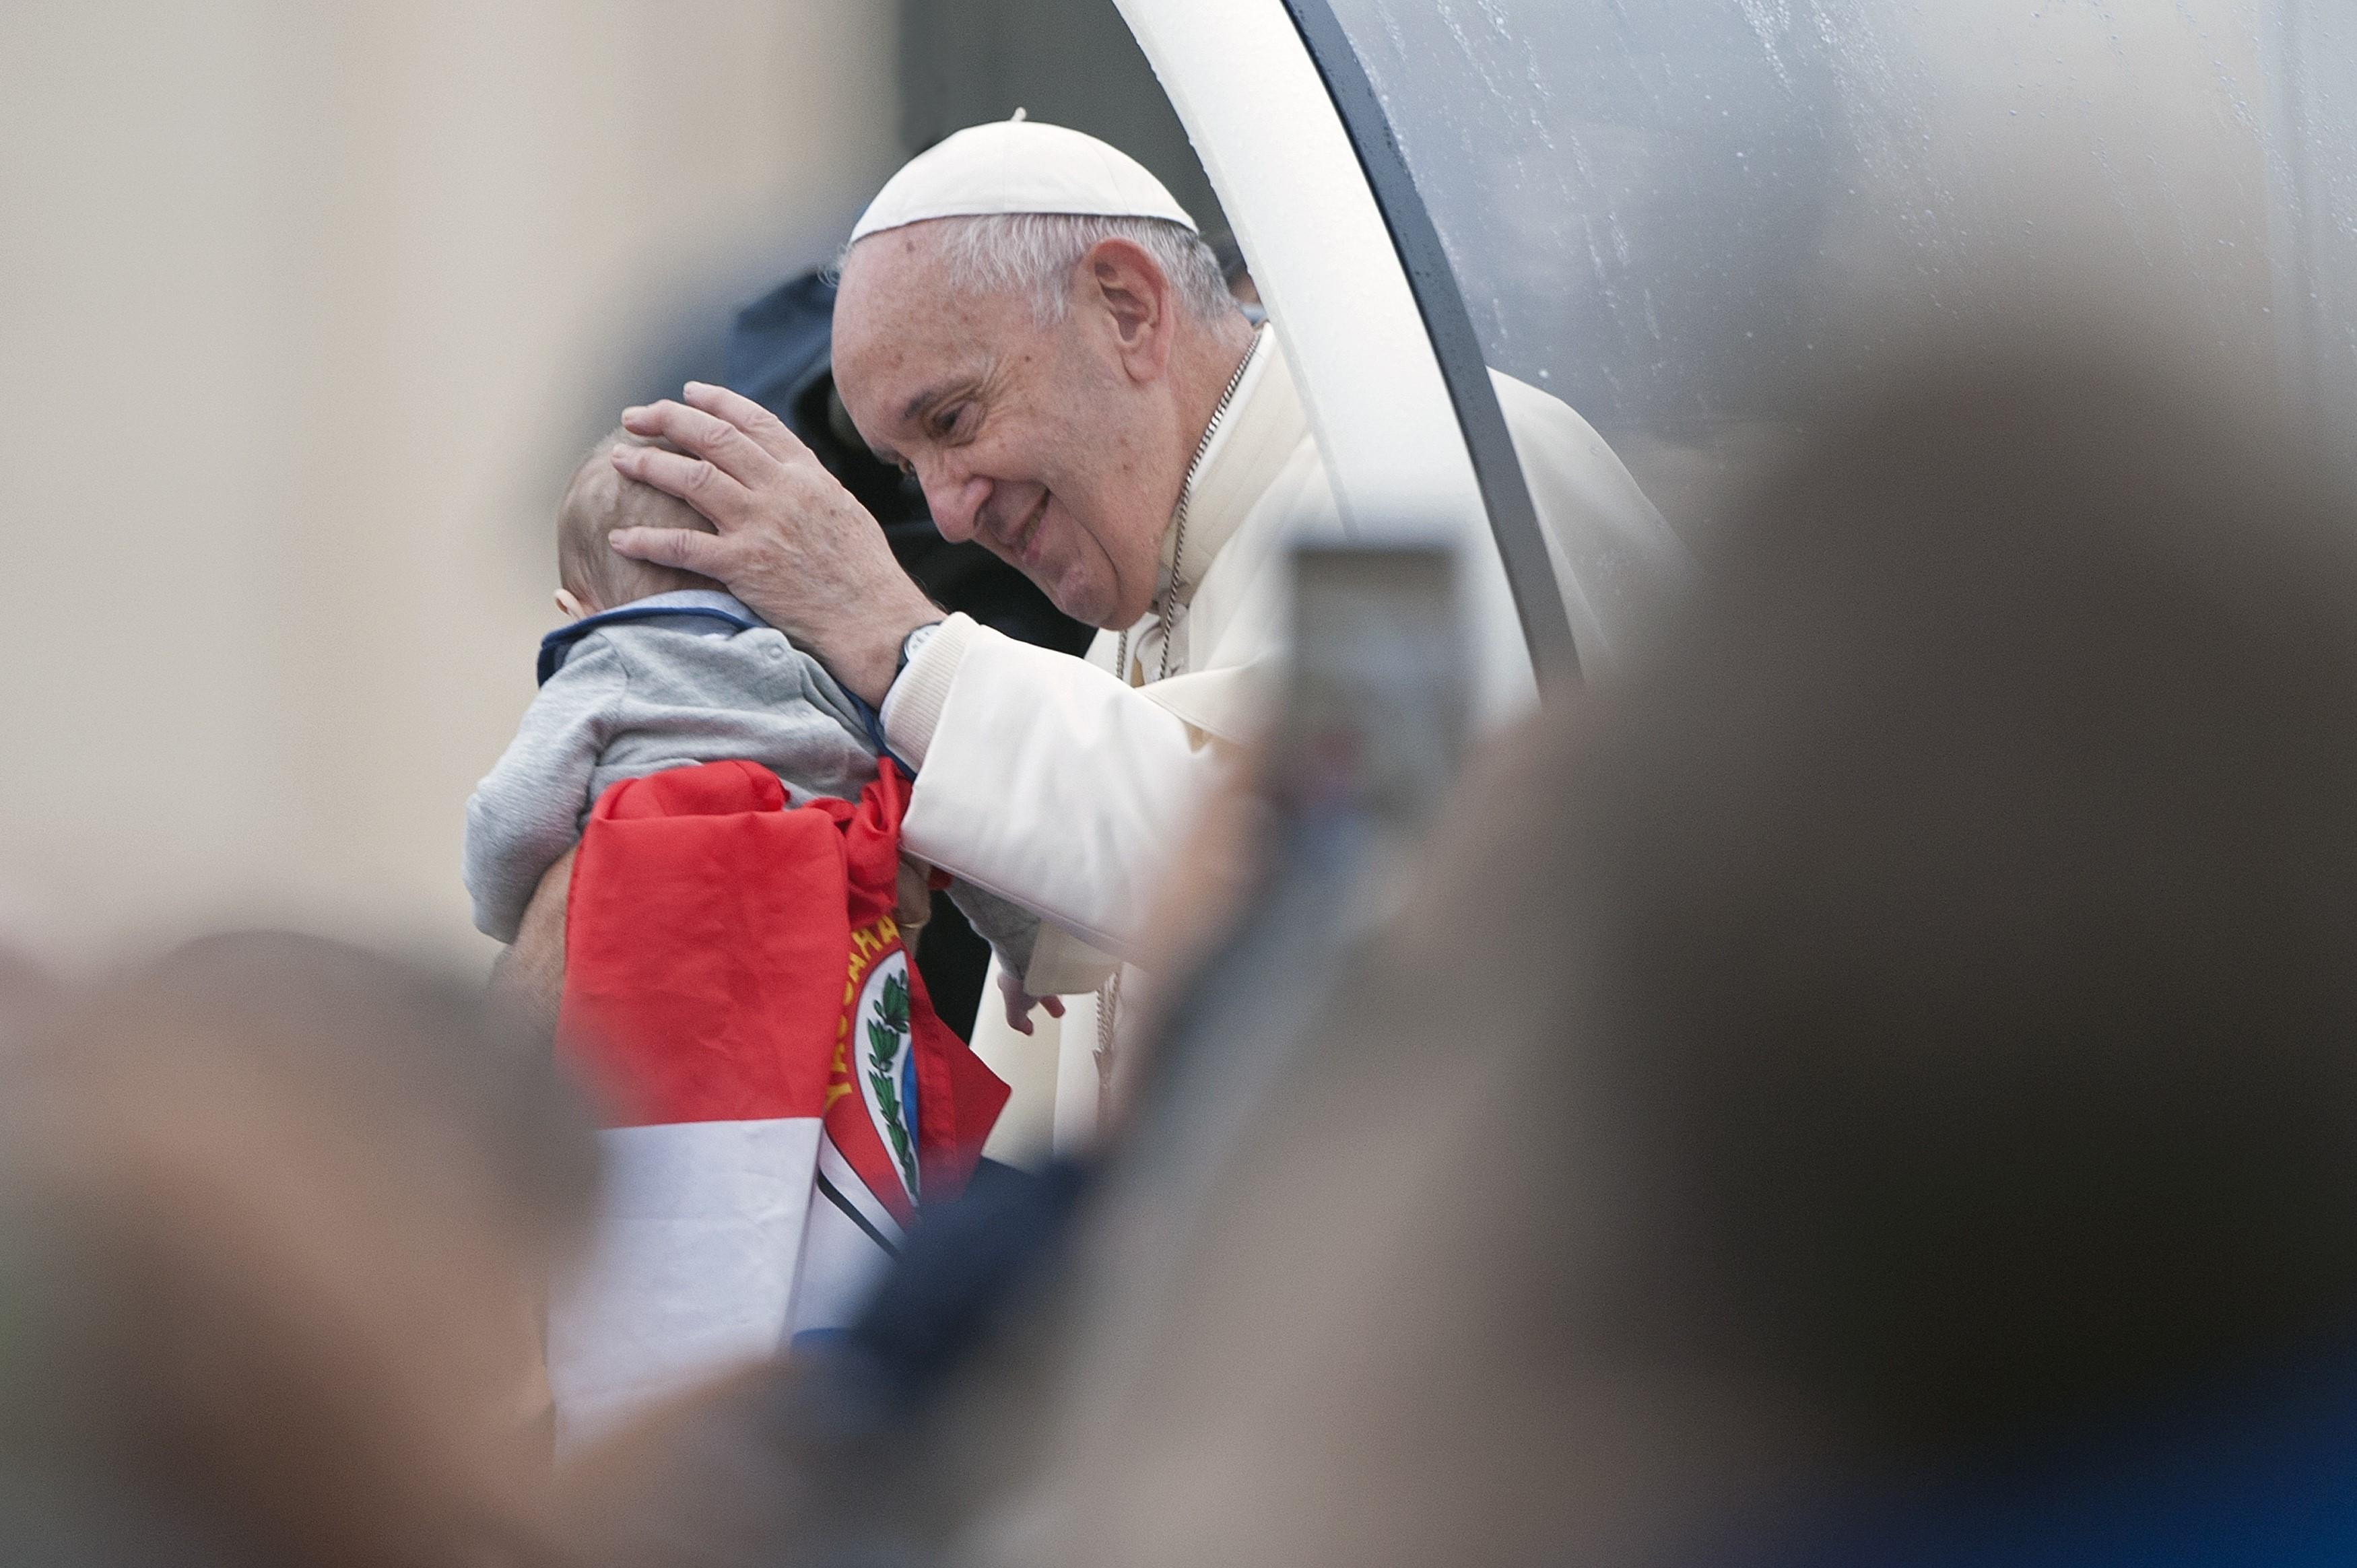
{"points": [[1875, 1086]]}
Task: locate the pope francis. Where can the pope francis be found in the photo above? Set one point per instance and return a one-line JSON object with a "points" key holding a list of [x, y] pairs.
{"points": [[1030, 324]]}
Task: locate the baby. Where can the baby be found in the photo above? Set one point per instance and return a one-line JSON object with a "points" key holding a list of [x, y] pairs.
{"points": [[660, 668]]}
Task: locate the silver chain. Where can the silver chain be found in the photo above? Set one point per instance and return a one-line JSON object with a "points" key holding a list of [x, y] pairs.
{"points": [[1165, 614]]}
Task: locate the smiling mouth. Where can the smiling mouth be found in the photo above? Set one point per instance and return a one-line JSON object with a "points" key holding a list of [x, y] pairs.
{"points": [[1020, 543]]}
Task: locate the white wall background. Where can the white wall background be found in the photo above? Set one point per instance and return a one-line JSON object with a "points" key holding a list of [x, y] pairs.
{"points": [[305, 313]]}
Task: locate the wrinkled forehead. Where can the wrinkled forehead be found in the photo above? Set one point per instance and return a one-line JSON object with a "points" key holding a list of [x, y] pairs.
{"points": [[899, 317]]}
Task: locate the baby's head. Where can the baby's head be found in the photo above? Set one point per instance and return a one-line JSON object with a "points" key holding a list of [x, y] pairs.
{"points": [[598, 501]]}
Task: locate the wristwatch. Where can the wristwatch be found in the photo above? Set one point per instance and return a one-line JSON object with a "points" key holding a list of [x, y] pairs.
{"points": [[911, 643]]}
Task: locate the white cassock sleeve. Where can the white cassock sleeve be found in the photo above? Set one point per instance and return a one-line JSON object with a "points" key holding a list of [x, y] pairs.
{"points": [[1042, 778], [1616, 564]]}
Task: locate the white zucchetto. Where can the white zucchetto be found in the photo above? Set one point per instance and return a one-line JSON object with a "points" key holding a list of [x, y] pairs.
{"points": [[1019, 166]]}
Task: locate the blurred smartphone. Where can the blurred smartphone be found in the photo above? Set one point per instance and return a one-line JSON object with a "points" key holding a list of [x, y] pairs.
{"points": [[1374, 718]]}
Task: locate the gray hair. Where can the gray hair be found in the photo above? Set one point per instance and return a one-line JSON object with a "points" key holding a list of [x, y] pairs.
{"points": [[1034, 253]]}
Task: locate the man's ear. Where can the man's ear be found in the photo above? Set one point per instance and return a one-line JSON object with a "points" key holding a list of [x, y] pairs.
{"points": [[1134, 294], [568, 607]]}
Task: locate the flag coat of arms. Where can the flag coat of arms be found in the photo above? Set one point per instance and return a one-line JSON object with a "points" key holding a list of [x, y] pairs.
{"points": [[781, 1096]]}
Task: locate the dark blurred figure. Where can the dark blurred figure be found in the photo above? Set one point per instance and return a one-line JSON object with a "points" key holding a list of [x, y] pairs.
{"points": [[782, 355], [274, 1217], [1929, 1135]]}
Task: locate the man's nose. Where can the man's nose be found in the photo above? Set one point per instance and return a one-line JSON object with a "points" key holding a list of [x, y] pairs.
{"points": [[956, 504]]}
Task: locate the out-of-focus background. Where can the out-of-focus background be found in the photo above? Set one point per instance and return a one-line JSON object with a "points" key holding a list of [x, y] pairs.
{"points": [[308, 312]]}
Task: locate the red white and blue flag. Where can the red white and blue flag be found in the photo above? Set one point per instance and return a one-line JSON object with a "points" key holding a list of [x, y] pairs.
{"points": [[782, 1097]]}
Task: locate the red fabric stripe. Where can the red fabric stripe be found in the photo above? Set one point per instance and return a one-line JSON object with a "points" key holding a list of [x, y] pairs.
{"points": [[700, 914], [708, 952]]}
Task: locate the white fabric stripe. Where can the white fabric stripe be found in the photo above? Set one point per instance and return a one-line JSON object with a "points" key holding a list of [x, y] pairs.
{"points": [[690, 1267], [842, 1264]]}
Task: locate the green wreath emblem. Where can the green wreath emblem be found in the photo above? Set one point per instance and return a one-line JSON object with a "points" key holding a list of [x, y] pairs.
{"points": [[885, 1032]]}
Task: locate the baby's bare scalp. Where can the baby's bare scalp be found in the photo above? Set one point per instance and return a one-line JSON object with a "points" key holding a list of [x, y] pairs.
{"points": [[600, 502]]}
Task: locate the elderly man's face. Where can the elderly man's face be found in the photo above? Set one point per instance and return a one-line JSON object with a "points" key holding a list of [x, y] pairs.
{"points": [[1056, 446]]}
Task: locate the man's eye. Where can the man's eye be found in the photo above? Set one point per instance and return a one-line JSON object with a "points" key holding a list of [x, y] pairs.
{"points": [[945, 422]]}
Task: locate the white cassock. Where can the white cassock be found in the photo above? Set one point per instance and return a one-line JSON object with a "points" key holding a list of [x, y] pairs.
{"points": [[1065, 785]]}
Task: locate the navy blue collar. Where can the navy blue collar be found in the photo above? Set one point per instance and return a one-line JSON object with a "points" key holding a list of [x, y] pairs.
{"points": [[699, 603], [706, 604]]}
